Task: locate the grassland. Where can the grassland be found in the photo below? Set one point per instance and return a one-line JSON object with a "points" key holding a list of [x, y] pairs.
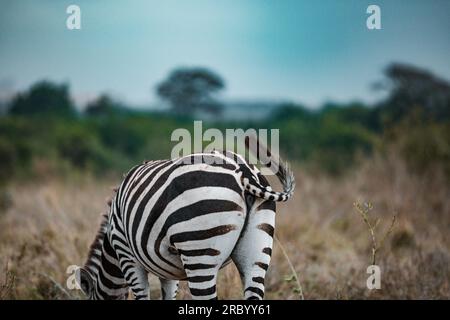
{"points": [[49, 225]]}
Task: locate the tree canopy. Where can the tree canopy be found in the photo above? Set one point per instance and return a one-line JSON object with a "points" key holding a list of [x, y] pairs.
{"points": [[412, 88], [44, 97], [104, 105], [191, 89]]}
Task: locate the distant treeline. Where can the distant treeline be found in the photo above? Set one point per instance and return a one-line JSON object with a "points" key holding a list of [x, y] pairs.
{"points": [[42, 133]]}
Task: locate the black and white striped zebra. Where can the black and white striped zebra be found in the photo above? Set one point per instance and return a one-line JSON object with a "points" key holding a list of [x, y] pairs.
{"points": [[184, 221]]}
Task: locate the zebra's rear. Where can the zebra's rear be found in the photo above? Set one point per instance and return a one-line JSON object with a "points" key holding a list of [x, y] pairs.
{"points": [[173, 205]]}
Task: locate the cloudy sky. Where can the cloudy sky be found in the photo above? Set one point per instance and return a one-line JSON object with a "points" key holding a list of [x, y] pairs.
{"points": [[305, 51]]}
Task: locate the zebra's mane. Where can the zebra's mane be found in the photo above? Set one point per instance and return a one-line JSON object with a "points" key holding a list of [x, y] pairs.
{"points": [[95, 250]]}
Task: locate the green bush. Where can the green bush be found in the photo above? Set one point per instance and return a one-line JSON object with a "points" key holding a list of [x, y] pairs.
{"points": [[15, 150], [330, 139], [425, 146]]}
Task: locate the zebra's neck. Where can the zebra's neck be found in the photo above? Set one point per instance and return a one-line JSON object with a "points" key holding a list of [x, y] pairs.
{"points": [[103, 266]]}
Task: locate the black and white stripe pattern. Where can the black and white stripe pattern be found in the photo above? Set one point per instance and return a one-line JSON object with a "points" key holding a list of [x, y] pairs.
{"points": [[184, 220]]}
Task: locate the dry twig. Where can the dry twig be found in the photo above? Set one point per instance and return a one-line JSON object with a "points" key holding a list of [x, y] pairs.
{"points": [[364, 210], [294, 276], [58, 286]]}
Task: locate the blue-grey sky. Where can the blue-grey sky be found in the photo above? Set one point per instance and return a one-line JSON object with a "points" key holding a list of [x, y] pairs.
{"points": [[305, 51]]}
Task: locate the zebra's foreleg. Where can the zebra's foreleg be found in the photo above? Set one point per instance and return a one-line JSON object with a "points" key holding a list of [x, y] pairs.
{"points": [[169, 289], [136, 277]]}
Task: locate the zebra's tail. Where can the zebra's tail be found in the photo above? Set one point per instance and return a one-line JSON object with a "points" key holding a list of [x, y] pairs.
{"points": [[284, 173]]}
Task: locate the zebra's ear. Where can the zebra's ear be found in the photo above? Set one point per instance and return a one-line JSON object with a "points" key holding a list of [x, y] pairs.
{"points": [[85, 281]]}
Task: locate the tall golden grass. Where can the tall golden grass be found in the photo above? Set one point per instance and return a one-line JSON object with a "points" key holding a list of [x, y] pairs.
{"points": [[51, 223]]}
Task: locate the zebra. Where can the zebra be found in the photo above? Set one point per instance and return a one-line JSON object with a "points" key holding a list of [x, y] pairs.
{"points": [[185, 220]]}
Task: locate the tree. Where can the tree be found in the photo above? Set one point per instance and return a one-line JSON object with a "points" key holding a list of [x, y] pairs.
{"points": [[191, 89], [414, 88], [44, 97], [102, 106]]}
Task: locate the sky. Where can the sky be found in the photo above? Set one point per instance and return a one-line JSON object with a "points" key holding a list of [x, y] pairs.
{"points": [[308, 52]]}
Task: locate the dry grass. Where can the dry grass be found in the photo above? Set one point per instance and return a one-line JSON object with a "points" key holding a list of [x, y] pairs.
{"points": [[51, 224]]}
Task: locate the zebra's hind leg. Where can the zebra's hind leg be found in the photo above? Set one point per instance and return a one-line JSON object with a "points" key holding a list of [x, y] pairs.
{"points": [[204, 251], [169, 289], [253, 252], [201, 274], [202, 265], [202, 281]]}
